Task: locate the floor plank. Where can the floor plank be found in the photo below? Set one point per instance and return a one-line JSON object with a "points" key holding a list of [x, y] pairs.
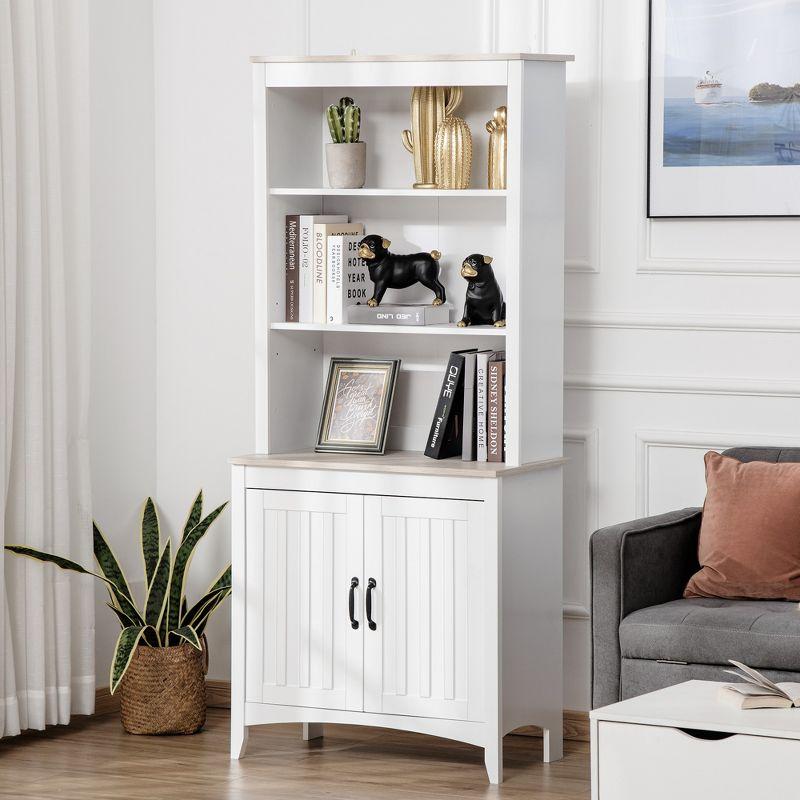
{"points": [[94, 759]]}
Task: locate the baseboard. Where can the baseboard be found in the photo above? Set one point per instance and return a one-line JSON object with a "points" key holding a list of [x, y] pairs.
{"points": [[105, 702], [218, 693], [576, 727]]}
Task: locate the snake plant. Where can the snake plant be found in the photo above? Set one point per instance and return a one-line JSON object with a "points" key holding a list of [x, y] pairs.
{"points": [[166, 618]]}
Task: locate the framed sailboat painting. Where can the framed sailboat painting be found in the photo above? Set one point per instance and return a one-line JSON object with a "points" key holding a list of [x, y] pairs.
{"points": [[724, 108]]}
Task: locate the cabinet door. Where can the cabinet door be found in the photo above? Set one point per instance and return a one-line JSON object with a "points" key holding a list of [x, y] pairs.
{"points": [[423, 657], [303, 550]]}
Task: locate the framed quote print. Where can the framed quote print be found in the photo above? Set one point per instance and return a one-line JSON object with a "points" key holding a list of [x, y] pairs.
{"points": [[724, 108], [357, 405]]}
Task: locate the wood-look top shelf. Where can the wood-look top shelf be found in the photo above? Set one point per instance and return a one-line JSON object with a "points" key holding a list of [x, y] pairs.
{"points": [[326, 191], [398, 461], [355, 59]]}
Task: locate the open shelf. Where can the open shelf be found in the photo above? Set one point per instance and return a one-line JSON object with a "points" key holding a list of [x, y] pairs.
{"points": [[325, 191], [397, 461], [447, 330]]}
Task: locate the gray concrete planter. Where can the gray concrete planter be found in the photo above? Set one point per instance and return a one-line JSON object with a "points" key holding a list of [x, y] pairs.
{"points": [[347, 164]]}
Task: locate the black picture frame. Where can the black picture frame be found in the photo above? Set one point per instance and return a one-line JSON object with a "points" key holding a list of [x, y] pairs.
{"points": [[357, 405]]}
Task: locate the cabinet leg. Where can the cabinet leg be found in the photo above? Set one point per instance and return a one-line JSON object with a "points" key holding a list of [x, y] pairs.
{"points": [[238, 740], [312, 730], [553, 742], [493, 758]]}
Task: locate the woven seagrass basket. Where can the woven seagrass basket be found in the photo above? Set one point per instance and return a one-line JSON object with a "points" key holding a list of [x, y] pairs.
{"points": [[164, 690]]}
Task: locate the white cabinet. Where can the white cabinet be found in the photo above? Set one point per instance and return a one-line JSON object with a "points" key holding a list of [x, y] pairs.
{"points": [[363, 603], [423, 558], [303, 551], [427, 603]]}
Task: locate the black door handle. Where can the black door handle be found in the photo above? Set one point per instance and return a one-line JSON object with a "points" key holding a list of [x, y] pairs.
{"points": [[352, 603], [371, 584]]}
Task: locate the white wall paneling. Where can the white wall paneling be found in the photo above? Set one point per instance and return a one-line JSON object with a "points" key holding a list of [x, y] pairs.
{"points": [[580, 517], [666, 461]]}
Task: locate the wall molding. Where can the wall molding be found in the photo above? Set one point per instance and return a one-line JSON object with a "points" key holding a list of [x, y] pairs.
{"points": [[581, 266], [651, 264], [588, 438], [728, 323], [576, 611], [679, 384], [648, 441]]}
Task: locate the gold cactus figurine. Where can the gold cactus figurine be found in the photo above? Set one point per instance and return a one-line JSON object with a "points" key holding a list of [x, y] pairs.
{"points": [[453, 154], [496, 127], [429, 107]]}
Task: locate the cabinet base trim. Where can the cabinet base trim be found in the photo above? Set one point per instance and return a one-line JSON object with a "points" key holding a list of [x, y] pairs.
{"points": [[470, 732]]}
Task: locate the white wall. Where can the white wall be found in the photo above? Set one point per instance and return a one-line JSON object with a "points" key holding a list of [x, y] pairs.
{"points": [[681, 335], [123, 382], [204, 245]]}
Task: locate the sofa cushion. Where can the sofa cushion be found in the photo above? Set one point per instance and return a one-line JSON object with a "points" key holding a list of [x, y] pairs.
{"points": [[762, 633], [749, 544]]}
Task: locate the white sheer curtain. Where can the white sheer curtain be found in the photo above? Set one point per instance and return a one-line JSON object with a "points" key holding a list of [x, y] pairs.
{"points": [[46, 615]]}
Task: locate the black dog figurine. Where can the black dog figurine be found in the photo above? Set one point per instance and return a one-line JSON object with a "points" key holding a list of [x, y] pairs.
{"points": [[484, 304], [390, 271]]}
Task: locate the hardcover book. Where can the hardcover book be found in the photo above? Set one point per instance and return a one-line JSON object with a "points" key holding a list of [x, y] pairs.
{"points": [[468, 433], [495, 406], [348, 277], [481, 380], [305, 296], [481, 402], [445, 437], [398, 314], [292, 224], [319, 260]]}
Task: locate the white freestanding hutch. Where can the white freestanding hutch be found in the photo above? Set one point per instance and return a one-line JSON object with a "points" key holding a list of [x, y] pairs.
{"points": [[462, 560]]}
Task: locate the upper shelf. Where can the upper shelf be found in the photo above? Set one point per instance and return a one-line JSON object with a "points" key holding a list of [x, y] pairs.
{"points": [[442, 330], [354, 59], [388, 192]]}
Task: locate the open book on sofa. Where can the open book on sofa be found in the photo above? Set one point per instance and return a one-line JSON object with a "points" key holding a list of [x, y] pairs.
{"points": [[758, 691]]}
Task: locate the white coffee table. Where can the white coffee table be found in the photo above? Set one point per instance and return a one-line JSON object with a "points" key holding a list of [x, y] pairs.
{"points": [[679, 743]]}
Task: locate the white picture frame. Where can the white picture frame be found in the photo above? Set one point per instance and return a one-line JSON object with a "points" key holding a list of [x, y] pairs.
{"points": [[718, 147]]}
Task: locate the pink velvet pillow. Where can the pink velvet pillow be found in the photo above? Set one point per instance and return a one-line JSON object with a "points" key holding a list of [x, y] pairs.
{"points": [[750, 533]]}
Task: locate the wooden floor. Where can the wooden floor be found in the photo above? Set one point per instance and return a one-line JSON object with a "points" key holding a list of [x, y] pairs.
{"points": [[94, 758]]}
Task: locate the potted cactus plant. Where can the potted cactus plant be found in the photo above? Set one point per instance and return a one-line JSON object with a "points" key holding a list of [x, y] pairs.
{"points": [[345, 155], [161, 655]]}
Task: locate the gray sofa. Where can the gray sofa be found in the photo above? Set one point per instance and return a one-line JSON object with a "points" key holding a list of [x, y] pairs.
{"points": [[646, 636]]}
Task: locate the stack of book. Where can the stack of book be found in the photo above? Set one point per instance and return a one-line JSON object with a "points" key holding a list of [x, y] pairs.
{"points": [[327, 282], [470, 416], [323, 270]]}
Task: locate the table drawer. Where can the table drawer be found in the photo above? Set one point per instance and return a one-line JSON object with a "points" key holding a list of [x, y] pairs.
{"points": [[658, 763]]}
